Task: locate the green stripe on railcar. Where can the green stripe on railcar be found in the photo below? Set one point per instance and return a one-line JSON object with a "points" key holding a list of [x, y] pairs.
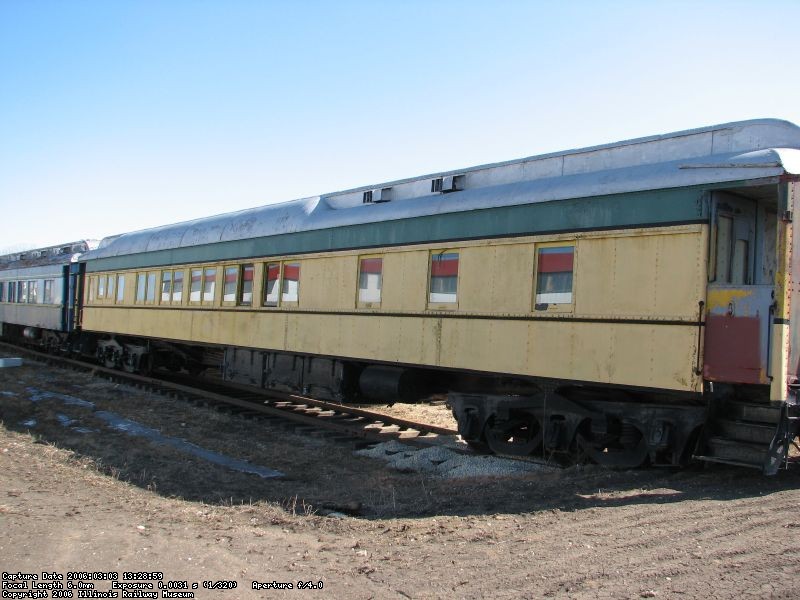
{"points": [[606, 212]]}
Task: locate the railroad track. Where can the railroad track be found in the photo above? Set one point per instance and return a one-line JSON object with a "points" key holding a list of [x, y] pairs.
{"points": [[308, 414]]}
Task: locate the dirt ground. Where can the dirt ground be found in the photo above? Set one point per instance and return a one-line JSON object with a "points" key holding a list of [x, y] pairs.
{"points": [[76, 494]]}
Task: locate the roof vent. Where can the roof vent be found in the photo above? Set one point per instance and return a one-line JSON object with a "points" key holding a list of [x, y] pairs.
{"points": [[452, 183], [366, 198], [383, 195], [447, 184]]}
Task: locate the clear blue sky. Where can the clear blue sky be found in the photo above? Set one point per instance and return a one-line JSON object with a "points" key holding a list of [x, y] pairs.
{"points": [[120, 115]]}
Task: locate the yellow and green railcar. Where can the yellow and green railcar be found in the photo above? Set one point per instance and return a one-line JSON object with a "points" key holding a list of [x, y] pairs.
{"points": [[626, 302]]}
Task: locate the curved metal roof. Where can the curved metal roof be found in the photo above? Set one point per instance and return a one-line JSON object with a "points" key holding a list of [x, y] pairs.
{"points": [[62, 254], [729, 152]]}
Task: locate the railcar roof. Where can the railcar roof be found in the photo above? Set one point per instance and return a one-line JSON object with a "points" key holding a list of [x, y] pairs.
{"points": [[745, 150], [51, 255]]}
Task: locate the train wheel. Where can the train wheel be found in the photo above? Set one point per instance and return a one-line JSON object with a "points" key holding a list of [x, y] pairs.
{"points": [[626, 449], [519, 435]]}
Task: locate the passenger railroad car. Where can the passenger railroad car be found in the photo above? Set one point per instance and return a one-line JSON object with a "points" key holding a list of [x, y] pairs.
{"points": [[629, 302], [37, 294]]}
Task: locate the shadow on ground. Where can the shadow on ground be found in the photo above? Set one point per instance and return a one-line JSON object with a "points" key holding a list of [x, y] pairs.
{"points": [[320, 474]]}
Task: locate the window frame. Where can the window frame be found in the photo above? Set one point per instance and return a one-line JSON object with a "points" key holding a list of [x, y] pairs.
{"points": [[369, 303], [213, 292], [119, 296], [552, 307], [161, 299], [179, 300], [434, 304], [280, 283], [240, 301], [265, 303], [144, 276], [236, 270], [47, 292], [296, 300], [152, 286], [199, 292]]}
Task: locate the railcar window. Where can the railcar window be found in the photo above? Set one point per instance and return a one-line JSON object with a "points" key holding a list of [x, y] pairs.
{"points": [[33, 292], [177, 287], [120, 288], [23, 295], [554, 275], [110, 286], [230, 284], [290, 290], [2, 291], [370, 280], [166, 286], [271, 284], [724, 238], [141, 285], [209, 284], [101, 286], [246, 292], [151, 287], [196, 285], [444, 278], [48, 291]]}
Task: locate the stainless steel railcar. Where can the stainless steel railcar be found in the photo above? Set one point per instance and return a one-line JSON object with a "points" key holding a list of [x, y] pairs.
{"points": [[629, 302], [39, 292]]}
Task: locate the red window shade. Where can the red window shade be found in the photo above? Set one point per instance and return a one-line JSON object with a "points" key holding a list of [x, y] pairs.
{"points": [[444, 268], [556, 262], [371, 265], [196, 276], [230, 276], [247, 273], [291, 272], [273, 272], [211, 276]]}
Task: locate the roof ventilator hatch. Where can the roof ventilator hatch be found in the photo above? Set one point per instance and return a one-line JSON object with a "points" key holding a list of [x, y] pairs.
{"points": [[447, 184], [375, 196]]}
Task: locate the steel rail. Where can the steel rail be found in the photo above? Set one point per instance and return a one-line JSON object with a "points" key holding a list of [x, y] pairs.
{"points": [[354, 422]]}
